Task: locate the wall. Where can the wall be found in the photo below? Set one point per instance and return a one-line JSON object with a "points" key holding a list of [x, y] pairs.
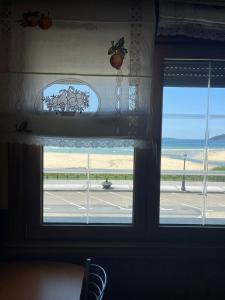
{"points": [[3, 176]]}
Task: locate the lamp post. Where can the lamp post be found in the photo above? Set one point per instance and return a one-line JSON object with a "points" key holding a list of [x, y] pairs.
{"points": [[183, 178]]}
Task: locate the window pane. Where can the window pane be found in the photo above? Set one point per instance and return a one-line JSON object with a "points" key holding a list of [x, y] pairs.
{"points": [[181, 196], [215, 202], [193, 143], [88, 185]]}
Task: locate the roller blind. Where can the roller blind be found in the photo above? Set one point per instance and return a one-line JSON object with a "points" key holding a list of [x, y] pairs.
{"points": [[194, 73], [61, 77]]}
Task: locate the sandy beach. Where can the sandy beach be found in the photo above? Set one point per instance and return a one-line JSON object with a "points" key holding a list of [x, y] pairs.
{"points": [[168, 163], [216, 155], [119, 162], [97, 161]]}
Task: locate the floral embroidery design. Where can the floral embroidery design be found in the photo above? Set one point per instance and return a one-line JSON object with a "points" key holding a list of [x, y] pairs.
{"points": [[68, 100]]}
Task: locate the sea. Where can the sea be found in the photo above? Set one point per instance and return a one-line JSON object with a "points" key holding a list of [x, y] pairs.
{"points": [[172, 148], [190, 148], [168, 144], [97, 150]]}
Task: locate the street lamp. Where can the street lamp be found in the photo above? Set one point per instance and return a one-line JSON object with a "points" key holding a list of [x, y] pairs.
{"points": [[183, 178]]}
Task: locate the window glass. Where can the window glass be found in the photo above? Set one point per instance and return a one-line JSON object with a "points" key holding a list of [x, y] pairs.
{"points": [[88, 185], [215, 201], [193, 143]]}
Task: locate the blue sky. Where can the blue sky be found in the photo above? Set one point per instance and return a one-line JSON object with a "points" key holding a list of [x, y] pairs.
{"points": [[193, 102]]}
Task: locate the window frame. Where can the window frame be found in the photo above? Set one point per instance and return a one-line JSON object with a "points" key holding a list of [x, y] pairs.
{"points": [[25, 164], [31, 194], [164, 232]]}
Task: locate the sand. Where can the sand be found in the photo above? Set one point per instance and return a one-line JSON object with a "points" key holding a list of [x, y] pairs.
{"points": [[97, 161], [118, 162], [178, 164], [216, 155]]}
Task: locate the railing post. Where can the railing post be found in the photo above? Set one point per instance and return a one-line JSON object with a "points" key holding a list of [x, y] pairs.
{"points": [[183, 188]]}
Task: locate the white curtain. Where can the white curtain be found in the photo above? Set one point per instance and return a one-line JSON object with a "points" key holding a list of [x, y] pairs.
{"points": [[47, 75], [193, 19]]}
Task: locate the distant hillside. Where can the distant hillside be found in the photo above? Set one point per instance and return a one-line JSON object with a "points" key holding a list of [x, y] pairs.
{"points": [[168, 139], [220, 137]]}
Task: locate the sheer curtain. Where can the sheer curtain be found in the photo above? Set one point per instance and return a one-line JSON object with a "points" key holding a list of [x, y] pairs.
{"points": [[58, 85]]}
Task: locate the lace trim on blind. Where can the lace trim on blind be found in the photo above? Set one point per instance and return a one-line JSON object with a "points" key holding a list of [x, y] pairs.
{"points": [[78, 142], [135, 33]]}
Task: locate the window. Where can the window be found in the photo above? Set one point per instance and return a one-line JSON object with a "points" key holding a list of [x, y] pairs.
{"points": [[88, 185], [90, 77], [73, 204], [85, 181], [185, 159], [193, 143], [187, 176], [82, 182]]}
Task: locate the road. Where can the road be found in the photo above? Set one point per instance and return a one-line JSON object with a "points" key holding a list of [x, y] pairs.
{"points": [[115, 206], [100, 206]]}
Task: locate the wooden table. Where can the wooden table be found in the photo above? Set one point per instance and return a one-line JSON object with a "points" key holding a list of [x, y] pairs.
{"points": [[40, 281]]}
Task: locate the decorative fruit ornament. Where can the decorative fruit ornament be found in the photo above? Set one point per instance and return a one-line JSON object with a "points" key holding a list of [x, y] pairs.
{"points": [[116, 60], [117, 53], [45, 21], [30, 19]]}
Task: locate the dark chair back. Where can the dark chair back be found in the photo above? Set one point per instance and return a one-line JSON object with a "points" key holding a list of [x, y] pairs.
{"points": [[95, 281]]}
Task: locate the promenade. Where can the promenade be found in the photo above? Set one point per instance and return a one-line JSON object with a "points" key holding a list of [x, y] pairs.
{"points": [[73, 201], [127, 185]]}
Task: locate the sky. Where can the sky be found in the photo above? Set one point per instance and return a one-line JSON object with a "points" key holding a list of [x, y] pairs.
{"points": [[185, 108]]}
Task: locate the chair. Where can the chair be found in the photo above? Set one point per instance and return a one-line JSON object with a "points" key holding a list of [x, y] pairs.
{"points": [[95, 281]]}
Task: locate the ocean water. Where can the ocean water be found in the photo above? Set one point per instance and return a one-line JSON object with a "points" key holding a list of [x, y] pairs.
{"points": [[178, 149], [103, 150], [191, 144], [168, 145], [172, 148]]}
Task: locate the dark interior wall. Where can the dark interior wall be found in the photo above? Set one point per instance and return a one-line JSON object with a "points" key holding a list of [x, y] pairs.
{"points": [[3, 176], [166, 279], [3, 190]]}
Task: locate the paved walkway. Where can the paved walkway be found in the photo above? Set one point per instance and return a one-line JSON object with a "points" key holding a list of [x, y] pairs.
{"points": [[166, 186]]}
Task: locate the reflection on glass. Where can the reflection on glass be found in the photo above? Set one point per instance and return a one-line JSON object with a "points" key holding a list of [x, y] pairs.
{"points": [[88, 185]]}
